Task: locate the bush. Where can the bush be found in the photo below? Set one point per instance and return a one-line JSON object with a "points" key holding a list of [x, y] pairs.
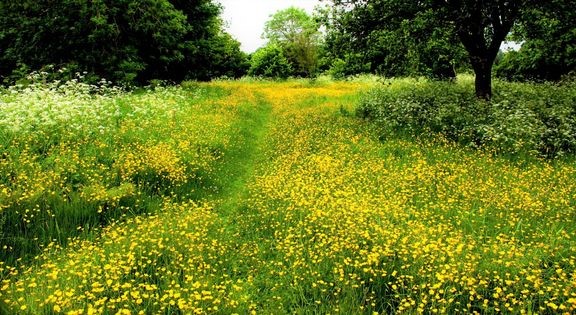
{"points": [[534, 119], [270, 62], [352, 64], [532, 64], [338, 69]]}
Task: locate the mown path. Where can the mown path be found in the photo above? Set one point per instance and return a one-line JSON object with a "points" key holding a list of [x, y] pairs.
{"points": [[313, 214]]}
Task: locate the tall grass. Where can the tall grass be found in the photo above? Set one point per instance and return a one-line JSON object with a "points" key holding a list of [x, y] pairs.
{"points": [[76, 157]]}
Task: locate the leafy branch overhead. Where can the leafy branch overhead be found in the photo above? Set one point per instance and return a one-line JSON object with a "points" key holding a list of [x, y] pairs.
{"points": [[480, 26]]}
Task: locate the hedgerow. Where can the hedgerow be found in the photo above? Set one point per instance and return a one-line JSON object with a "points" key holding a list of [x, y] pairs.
{"points": [[522, 118]]}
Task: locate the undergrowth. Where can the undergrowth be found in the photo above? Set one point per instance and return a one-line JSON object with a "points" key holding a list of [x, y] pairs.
{"points": [[521, 119]]}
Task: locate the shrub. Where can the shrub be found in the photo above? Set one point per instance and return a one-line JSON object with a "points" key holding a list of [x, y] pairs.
{"points": [[338, 69], [270, 62], [352, 64], [534, 119]]}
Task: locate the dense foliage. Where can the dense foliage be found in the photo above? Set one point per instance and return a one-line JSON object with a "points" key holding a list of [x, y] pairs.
{"points": [[124, 41], [548, 36], [270, 62], [529, 119], [391, 38], [411, 38]]}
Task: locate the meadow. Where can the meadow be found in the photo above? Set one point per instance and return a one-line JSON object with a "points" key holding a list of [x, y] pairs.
{"points": [[236, 197]]}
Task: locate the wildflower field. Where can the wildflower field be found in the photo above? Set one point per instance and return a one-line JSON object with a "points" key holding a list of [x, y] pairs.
{"points": [[267, 197]]}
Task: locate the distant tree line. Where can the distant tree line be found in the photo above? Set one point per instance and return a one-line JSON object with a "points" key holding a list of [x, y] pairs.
{"points": [[135, 41]]}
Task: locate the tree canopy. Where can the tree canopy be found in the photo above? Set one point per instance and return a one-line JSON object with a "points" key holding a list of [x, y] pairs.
{"points": [[122, 40], [270, 62], [547, 31], [297, 34], [135, 41], [480, 26], [391, 38]]}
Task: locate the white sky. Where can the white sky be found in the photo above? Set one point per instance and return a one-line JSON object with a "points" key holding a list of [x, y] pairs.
{"points": [[246, 18]]}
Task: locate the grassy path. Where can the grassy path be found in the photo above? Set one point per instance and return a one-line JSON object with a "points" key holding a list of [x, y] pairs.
{"points": [[308, 212], [245, 153]]}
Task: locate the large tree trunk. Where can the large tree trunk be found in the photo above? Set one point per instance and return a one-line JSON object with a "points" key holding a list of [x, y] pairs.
{"points": [[481, 27], [483, 82]]}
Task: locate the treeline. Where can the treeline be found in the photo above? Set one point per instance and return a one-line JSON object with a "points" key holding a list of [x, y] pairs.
{"points": [[399, 38], [137, 41], [548, 34], [130, 41]]}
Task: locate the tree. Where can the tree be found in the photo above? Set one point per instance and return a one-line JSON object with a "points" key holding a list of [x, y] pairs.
{"points": [[118, 41], [481, 26], [222, 58], [297, 34], [208, 51]]}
